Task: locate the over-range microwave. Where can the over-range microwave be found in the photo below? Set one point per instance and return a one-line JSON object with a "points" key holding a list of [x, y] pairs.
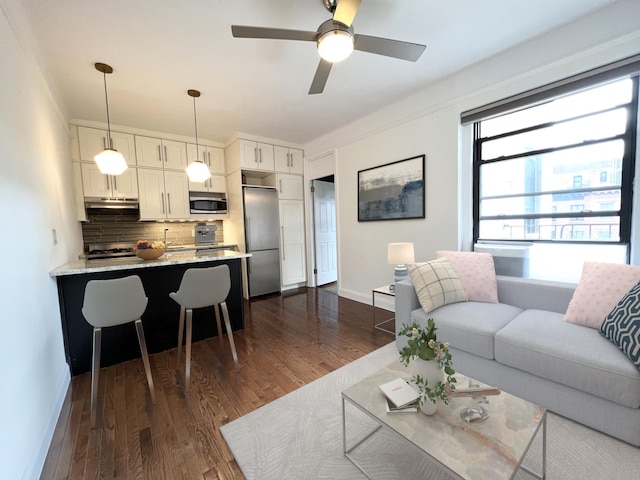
{"points": [[207, 203]]}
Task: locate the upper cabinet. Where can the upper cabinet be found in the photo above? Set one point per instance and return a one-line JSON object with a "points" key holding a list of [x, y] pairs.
{"points": [[94, 140], [96, 184], [215, 183], [256, 156], [288, 160], [213, 157], [163, 195], [161, 153]]}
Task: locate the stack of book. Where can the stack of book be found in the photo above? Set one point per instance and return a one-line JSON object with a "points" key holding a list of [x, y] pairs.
{"points": [[401, 396]]}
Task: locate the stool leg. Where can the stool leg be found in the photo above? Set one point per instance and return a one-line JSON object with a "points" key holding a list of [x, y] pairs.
{"points": [[95, 373], [180, 332], [217, 312], [225, 314], [187, 376], [145, 359]]}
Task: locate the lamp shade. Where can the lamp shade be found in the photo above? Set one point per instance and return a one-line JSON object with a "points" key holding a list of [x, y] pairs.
{"points": [[111, 162], [335, 45], [198, 172], [400, 253]]}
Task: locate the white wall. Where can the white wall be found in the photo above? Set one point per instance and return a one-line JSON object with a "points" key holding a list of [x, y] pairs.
{"points": [[429, 122], [36, 196]]}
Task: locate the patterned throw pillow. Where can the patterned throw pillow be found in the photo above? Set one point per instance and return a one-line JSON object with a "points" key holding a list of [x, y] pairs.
{"points": [[436, 284], [600, 288], [477, 273], [622, 325]]}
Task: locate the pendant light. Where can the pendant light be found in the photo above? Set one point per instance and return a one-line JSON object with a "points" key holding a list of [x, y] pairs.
{"points": [[110, 161], [198, 171]]}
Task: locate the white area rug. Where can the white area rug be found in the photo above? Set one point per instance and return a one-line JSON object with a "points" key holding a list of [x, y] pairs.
{"points": [[299, 436]]}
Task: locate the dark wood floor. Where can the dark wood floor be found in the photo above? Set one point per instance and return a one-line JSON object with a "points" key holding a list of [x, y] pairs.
{"points": [[288, 341]]}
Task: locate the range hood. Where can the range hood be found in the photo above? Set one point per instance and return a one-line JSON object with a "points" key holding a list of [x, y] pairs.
{"points": [[97, 203]]}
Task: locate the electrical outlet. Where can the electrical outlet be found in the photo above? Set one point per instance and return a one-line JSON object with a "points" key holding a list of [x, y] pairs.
{"points": [[193, 233], [55, 236]]}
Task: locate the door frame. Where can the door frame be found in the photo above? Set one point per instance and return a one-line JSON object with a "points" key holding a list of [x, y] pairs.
{"points": [[320, 166]]}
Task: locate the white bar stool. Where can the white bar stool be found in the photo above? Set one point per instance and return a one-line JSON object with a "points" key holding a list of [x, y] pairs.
{"points": [[108, 303], [199, 288]]}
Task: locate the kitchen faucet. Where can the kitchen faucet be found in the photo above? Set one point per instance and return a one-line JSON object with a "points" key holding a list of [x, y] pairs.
{"points": [[165, 237]]}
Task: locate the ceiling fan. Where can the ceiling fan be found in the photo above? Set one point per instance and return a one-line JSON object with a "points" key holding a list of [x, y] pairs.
{"points": [[335, 40]]}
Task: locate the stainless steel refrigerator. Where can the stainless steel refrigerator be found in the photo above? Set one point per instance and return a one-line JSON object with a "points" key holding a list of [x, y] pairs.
{"points": [[262, 237]]}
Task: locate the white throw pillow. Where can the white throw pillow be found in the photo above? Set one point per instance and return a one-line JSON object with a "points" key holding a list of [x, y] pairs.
{"points": [[436, 284]]}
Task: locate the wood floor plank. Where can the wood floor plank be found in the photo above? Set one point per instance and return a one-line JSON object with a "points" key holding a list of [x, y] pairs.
{"points": [[288, 341]]}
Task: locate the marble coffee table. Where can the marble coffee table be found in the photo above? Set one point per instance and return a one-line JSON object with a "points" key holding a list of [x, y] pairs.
{"points": [[489, 450]]}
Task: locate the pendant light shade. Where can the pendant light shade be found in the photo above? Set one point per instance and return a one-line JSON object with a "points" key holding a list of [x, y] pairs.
{"points": [[109, 161], [198, 171]]}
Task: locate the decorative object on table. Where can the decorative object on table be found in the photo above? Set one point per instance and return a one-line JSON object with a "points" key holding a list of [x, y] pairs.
{"points": [[400, 393], [393, 191], [428, 361], [147, 250], [399, 254], [197, 171], [109, 161]]}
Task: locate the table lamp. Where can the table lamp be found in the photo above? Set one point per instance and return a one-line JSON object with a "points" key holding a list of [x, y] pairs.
{"points": [[399, 254]]}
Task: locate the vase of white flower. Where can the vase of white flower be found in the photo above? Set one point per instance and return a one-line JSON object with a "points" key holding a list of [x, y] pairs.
{"points": [[428, 361], [426, 374]]}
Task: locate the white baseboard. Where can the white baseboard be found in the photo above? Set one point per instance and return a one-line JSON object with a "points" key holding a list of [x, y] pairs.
{"points": [[34, 470]]}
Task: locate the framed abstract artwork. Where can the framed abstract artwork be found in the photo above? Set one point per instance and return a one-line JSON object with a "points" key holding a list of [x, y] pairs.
{"points": [[394, 191]]}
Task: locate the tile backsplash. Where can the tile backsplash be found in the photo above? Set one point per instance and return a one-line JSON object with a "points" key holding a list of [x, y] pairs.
{"points": [[121, 227]]}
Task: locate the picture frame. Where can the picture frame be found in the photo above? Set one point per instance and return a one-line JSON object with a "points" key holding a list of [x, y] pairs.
{"points": [[393, 191]]}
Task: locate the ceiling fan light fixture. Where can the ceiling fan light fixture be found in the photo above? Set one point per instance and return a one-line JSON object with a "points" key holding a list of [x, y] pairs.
{"points": [[109, 161], [335, 45]]}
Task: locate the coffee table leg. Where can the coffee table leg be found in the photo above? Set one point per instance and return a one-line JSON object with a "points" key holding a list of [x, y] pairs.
{"points": [[543, 475], [345, 450]]}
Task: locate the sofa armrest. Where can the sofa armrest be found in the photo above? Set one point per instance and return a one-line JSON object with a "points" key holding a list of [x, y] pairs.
{"points": [[406, 302], [528, 293]]}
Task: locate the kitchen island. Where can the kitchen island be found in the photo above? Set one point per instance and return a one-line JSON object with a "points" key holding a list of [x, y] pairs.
{"points": [[160, 319]]}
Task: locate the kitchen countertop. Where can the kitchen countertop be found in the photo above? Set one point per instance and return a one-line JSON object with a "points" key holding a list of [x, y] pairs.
{"points": [[172, 257]]}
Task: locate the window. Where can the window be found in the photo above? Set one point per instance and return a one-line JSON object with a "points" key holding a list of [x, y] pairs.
{"points": [[558, 171]]}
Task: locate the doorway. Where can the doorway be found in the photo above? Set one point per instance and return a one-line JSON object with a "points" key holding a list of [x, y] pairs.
{"points": [[324, 230]]}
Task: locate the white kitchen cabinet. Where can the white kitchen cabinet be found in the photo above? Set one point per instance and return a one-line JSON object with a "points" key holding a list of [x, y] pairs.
{"points": [[96, 184], [288, 160], [94, 140], [213, 157], [290, 187], [292, 255], [256, 156], [161, 153], [216, 183], [163, 195]]}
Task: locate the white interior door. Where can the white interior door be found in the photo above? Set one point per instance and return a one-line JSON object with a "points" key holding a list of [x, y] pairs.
{"points": [[324, 206]]}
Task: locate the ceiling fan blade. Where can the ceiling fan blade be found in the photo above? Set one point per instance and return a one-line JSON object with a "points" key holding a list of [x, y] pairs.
{"points": [[388, 47], [345, 11], [240, 31], [320, 78]]}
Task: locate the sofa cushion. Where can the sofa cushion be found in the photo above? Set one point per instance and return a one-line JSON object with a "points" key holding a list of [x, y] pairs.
{"points": [[541, 343], [622, 325], [601, 287], [477, 273], [436, 284], [469, 326]]}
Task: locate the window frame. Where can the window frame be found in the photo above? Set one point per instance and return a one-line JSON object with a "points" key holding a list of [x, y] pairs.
{"points": [[629, 138]]}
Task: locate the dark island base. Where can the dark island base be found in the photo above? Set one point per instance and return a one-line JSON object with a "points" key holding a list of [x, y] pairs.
{"points": [[160, 319]]}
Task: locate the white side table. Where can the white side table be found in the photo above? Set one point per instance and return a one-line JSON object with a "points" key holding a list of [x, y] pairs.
{"points": [[384, 290]]}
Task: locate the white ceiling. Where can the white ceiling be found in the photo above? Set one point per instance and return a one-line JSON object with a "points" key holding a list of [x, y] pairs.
{"points": [[159, 49]]}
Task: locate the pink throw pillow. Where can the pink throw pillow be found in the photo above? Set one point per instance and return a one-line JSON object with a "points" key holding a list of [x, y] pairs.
{"points": [[476, 272], [599, 290]]}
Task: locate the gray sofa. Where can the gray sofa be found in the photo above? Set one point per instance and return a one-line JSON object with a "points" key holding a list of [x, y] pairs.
{"points": [[522, 346]]}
